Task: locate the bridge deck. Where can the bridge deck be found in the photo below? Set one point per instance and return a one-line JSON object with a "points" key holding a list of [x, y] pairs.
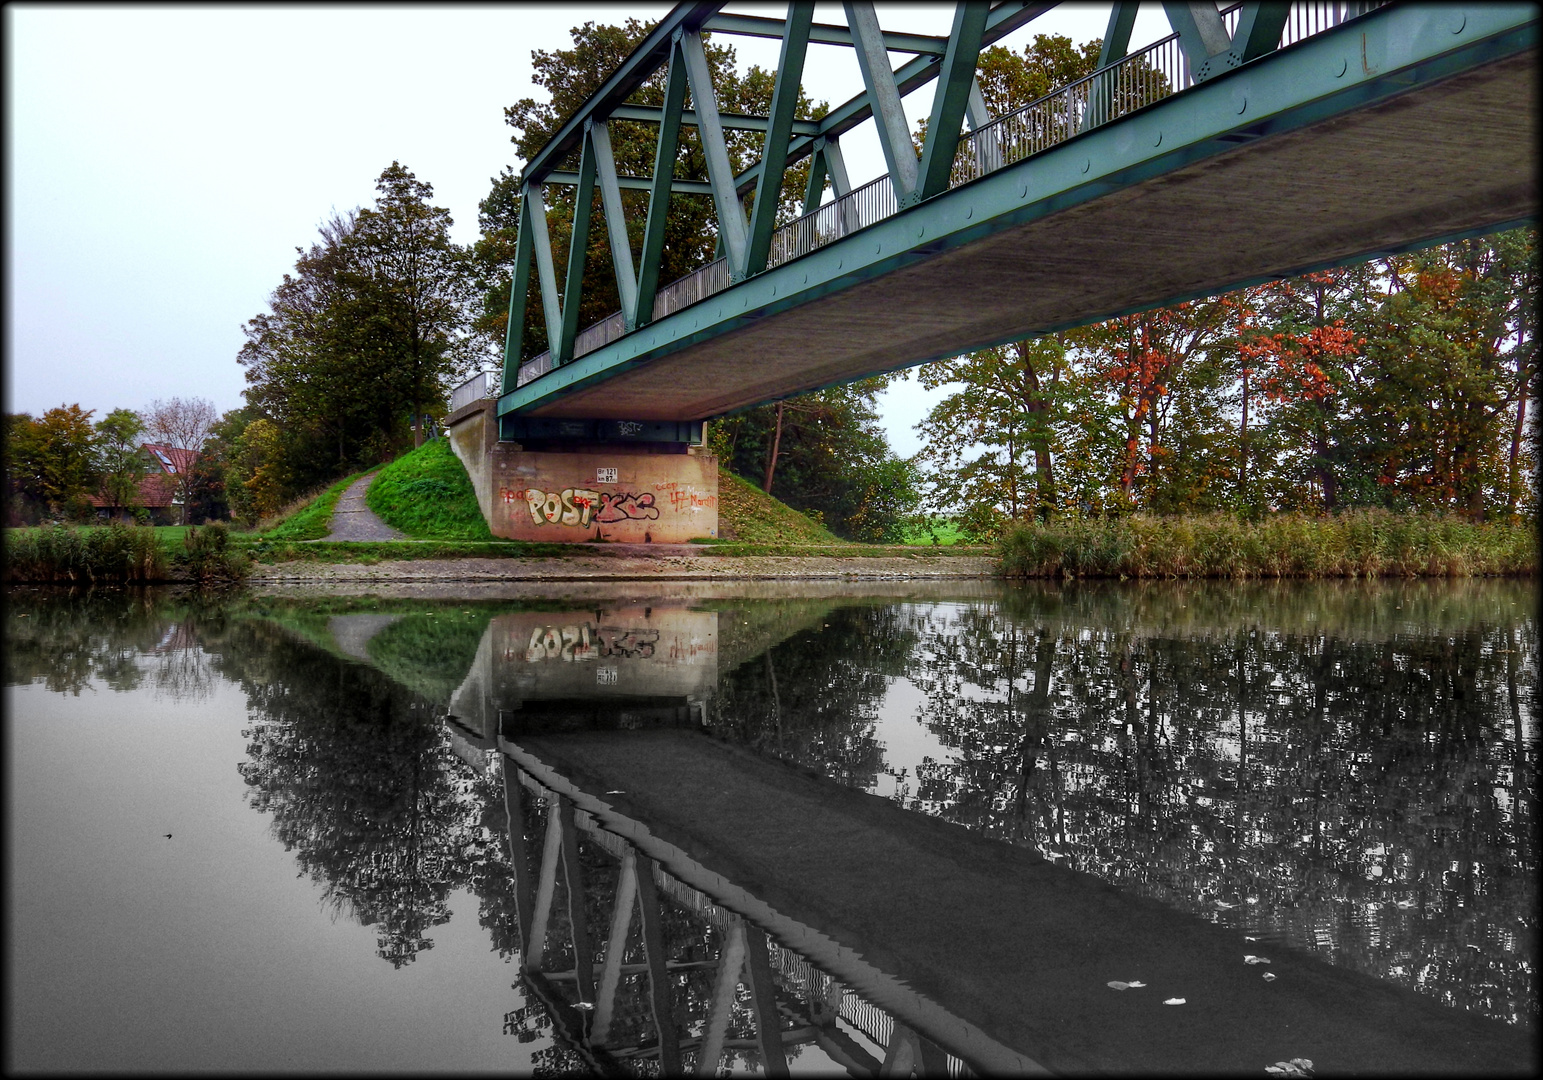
{"points": [[1026, 948], [1441, 159]]}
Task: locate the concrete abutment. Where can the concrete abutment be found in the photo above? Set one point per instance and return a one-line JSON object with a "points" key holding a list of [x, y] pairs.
{"points": [[645, 493]]}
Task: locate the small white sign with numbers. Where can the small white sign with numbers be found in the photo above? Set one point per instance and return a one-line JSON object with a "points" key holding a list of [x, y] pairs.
{"points": [[605, 676], [605, 476]]}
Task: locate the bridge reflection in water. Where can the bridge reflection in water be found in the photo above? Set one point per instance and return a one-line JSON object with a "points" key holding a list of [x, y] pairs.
{"points": [[685, 904]]}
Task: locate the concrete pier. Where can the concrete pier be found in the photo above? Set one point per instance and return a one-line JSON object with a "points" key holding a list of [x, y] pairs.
{"points": [[577, 491]]}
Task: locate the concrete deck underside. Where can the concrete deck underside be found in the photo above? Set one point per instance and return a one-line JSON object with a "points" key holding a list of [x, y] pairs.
{"points": [[1452, 156], [1005, 941]]}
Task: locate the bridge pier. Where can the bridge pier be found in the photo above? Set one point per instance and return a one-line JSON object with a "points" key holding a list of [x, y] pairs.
{"points": [[570, 481]]}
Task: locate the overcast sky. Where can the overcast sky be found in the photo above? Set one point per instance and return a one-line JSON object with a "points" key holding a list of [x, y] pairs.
{"points": [[165, 162]]}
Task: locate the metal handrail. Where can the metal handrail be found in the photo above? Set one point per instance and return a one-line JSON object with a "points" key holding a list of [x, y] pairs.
{"points": [[482, 385], [857, 209], [697, 285]]}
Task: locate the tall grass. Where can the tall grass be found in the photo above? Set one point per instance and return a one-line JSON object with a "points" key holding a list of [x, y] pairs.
{"points": [[116, 553], [1362, 543]]}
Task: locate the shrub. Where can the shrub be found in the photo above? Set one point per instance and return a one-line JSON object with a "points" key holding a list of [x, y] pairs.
{"points": [[59, 553]]}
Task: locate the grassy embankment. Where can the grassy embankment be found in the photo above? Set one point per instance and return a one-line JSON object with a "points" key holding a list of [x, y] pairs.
{"points": [[1361, 543], [427, 495]]}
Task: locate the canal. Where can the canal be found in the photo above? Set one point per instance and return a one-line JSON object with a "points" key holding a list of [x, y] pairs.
{"points": [[783, 827]]}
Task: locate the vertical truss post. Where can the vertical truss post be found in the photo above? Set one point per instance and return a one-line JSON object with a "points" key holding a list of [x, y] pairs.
{"points": [[652, 255], [661, 990], [615, 222], [578, 249], [952, 96], [546, 888], [731, 215], [730, 964], [888, 115], [779, 129], [573, 874], [519, 853], [1202, 34], [533, 214], [615, 945], [1260, 26], [763, 1001], [514, 341], [1122, 20]]}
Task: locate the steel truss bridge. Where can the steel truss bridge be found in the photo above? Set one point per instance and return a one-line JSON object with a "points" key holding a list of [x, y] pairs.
{"points": [[1258, 141]]}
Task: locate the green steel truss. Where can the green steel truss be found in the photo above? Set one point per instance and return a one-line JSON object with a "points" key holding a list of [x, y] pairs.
{"points": [[1293, 85]]}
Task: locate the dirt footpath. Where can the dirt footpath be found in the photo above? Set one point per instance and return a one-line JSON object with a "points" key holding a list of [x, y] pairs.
{"points": [[633, 567]]}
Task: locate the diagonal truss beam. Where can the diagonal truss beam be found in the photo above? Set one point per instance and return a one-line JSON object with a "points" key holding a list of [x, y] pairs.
{"points": [[650, 258], [774, 153], [578, 249], [731, 215], [884, 96], [615, 217], [956, 83]]}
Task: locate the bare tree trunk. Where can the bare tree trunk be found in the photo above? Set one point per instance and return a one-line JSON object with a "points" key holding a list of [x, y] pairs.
{"points": [[771, 459], [1243, 445], [1524, 373]]}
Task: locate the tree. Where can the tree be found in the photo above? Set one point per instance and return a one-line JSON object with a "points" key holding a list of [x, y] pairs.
{"points": [[987, 447], [52, 460], [364, 337], [406, 292], [119, 462], [184, 425], [824, 454]]}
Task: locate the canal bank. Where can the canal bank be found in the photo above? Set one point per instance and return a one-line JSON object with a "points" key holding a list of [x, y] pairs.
{"points": [[634, 562]]}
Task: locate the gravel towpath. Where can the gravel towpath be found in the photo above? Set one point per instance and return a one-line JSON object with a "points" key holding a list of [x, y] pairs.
{"points": [[352, 520]]}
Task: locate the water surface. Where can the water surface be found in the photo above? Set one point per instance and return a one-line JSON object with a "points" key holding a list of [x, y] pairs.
{"points": [[1340, 774]]}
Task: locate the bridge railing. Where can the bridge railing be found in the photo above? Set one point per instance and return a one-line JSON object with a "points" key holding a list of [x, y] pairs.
{"points": [[484, 384], [697, 285], [855, 210]]}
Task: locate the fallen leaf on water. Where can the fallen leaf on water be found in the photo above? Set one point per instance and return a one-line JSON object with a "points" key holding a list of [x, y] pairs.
{"points": [[1174, 1001], [585, 1005], [1250, 958], [1117, 985], [617, 792], [1294, 1067], [1134, 985], [1269, 976], [1224, 904], [1247, 938]]}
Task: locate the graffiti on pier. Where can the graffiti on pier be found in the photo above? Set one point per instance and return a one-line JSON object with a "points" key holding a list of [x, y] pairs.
{"points": [[587, 642], [582, 506], [624, 505]]}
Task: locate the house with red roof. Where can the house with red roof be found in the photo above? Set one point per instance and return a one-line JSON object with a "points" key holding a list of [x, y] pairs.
{"points": [[160, 492]]}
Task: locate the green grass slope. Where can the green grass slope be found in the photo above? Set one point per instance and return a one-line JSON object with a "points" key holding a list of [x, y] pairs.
{"points": [[427, 494], [313, 520], [748, 515]]}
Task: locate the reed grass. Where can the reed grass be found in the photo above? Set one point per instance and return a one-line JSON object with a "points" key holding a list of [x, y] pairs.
{"points": [[1361, 543], [61, 553]]}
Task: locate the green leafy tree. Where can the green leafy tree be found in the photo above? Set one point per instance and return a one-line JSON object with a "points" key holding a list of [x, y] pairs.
{"points": [[406, 293], [364, 337], [989, 447], [119, 462], [52, 460], [824, 454]]}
